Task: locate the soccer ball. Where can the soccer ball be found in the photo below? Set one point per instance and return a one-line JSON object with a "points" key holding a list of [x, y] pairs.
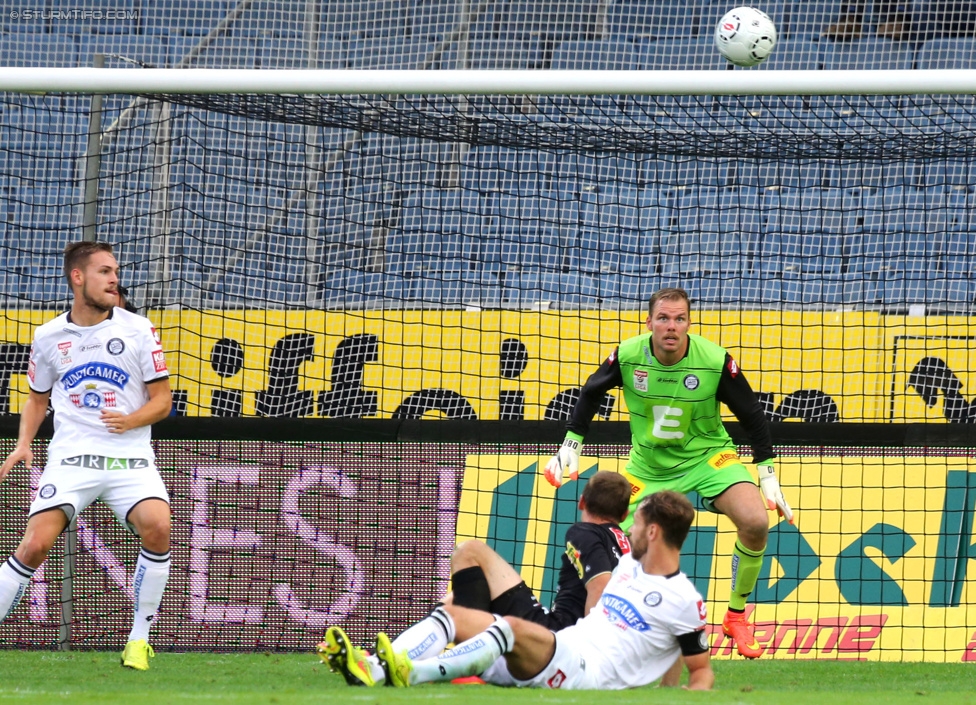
{"points": [[745, 36]]}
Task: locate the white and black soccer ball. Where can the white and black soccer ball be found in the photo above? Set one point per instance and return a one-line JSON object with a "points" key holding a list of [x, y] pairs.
{"points": [[745, 36]]}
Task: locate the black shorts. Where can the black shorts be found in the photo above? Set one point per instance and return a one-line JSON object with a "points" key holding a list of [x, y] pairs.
{"points": [[520, 602]]}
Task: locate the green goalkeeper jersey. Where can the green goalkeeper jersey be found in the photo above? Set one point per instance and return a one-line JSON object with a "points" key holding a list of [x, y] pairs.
{"points": [[675, 420], [675, 415]]}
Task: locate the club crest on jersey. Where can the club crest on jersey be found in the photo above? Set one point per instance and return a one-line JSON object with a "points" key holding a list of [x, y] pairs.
{"points": [[640, 380], [91, 398], [692, 382], [115, 346], [653, 599], [97, 371], [621, 612]]}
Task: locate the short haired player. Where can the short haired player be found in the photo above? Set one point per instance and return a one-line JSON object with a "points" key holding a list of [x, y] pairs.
{"points": [[648, 615], [103, 370], [483, 580], [673, 383]]}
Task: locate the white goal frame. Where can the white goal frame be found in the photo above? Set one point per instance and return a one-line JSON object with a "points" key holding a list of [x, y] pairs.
{"points": [[489, 82]]}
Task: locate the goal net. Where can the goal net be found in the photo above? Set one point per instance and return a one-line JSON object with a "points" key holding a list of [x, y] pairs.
{"points": [[401, 254]]}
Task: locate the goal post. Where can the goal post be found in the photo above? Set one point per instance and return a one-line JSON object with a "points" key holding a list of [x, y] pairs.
{"points": [[488, 82]]}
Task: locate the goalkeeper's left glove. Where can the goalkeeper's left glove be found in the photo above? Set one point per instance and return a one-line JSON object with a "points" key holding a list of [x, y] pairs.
{"points": [[772, 491]]}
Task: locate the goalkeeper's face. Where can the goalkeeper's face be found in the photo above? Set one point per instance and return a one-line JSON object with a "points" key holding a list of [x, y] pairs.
{"points": [[669, 324], [100, 282]]}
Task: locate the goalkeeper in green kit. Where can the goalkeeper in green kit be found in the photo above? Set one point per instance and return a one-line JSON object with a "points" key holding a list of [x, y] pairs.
{"points": [[673, 383]]}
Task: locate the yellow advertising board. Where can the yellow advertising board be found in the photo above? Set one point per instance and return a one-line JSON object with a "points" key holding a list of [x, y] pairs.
{"points": [[880, 564], [524, 364]]}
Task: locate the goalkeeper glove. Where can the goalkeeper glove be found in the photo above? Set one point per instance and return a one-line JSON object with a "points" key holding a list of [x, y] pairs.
{"points": [[772, 491], [566, 461]]}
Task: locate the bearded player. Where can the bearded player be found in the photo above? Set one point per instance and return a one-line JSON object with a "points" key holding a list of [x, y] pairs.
{"points": [[103, 369]]}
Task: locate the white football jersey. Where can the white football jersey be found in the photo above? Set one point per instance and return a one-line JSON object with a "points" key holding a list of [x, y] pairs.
{"points": [[91, 368], [632, 632]]}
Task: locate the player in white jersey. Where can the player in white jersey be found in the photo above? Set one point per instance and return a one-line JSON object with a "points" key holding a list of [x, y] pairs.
{"points": [[648, 615], [103, 370]]}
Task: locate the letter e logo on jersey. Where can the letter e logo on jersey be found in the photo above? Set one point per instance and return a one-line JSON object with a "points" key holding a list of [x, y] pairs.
{"points": [[640, 380], [557, 680], [159, 361]]}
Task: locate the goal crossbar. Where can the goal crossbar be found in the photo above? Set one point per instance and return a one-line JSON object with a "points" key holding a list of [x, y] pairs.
{"points": [[472, 82]]}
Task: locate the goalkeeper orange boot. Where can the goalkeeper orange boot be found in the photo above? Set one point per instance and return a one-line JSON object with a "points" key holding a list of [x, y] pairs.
{"points": [[338, 653], [743, 632]]}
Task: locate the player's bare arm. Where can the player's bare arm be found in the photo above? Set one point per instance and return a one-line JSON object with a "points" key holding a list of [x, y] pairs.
{"points": [[594, 588], [35, 409], [700, 674], [156, 409]]}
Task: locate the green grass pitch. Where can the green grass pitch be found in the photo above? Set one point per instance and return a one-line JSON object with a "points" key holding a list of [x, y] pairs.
{"points": [[96, 677]]}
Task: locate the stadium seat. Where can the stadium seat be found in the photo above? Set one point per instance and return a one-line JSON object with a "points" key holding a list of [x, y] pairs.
{"points": [[387, 52], [366, 19], [107, 17], [664, 18], [802, 290], [182, 17], [515, 171], [793, 54], [277, 52], [148, 50], [25, 49], [868, 53], [947, 53], [809, 19], [232, 51], [508, 54], [684, 54]]}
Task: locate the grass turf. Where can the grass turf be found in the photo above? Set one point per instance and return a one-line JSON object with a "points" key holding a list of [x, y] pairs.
{"points": [[96, 677]]}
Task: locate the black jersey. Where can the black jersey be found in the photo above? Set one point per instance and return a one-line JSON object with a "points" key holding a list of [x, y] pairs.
{"points": [[591, 549]]}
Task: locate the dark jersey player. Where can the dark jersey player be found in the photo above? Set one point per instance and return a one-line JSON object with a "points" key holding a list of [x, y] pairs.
{"points": [[673, 384]]}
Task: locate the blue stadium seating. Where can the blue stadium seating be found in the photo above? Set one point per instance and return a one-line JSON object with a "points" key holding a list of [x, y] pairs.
{"points": [[148, 50], [51, 50], [277, 52], [182, 17], [105, 17], [947, 53]]}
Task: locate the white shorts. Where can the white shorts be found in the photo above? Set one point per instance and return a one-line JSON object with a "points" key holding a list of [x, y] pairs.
{"points": [[72, 487], [574, 666]]}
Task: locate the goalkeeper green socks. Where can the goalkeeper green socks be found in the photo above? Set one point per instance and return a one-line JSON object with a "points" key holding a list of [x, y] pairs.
{"points": [[745, 572]]}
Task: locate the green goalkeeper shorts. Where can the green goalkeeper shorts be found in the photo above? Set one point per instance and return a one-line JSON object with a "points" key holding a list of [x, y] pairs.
{"points": [[710, 478]]}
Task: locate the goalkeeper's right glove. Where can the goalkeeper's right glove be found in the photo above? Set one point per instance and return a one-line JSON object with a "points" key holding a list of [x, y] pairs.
{"points": [[566, 461]]}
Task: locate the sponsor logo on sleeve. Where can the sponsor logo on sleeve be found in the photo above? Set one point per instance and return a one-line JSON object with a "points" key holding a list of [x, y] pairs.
{"points": [[557, 680], [640, 380], [31, 370], [622, 541], [613, 357], [159, 361], [574, 556], [733, 367], [702, 611]]}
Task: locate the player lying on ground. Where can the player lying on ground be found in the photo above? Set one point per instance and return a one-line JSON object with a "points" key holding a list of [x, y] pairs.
{"points": [[483, 580], [648, 615]]}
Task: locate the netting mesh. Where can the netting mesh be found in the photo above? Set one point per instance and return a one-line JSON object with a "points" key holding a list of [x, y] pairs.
{"points": [[475, 257]]}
